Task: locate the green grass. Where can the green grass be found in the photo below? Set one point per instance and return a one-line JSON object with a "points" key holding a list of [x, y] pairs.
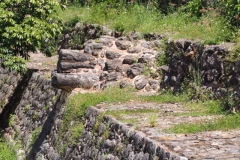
{"points": [[209, 28], [165, 98], [6, 153], [77, 105], [225, 123]]}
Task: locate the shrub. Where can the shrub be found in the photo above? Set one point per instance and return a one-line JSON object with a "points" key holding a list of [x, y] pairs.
{"points": [[231, 10], [28, 28]]}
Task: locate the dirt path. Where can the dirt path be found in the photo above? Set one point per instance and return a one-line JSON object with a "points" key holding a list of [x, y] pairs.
{"points": [[42, 63]]}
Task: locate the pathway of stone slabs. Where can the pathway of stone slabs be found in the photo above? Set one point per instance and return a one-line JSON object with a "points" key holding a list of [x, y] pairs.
{"points": [[204, 145]]}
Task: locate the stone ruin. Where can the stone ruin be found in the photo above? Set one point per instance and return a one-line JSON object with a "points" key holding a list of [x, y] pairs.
{"points": [[109, 59]]}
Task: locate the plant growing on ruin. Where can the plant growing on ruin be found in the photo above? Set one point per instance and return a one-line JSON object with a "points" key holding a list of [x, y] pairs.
{"points": [[11, 120], [35, 134], [153, 121]]}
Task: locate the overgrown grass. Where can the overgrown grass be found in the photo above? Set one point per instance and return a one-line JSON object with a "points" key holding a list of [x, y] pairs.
{"points": [[227, 122], [5, 152], [209, 28]]}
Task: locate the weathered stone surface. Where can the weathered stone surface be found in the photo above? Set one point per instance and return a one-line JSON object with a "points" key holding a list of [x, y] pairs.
{"points": [[134, 36], [125, 83], [123, 69], [134, 50], [155, 84], [106, 40], [147, 45], [111, 65], [123, 43], [113, 76], [68, 65], [112, 55], [140, 82], [129, 59], [68, 82], [93, 48], [136, 69], [74, 56]]}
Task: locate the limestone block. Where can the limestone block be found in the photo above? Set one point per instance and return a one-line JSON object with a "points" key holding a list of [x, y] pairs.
{"points": [[69, 82], [74, 56]]}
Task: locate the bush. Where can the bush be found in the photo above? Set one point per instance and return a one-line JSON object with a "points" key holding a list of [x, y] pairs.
{"points": [[231, 10]]}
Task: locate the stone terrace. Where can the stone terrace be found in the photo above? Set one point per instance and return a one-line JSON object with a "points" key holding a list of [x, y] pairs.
{"points": [[109, 61], [204, 145]]}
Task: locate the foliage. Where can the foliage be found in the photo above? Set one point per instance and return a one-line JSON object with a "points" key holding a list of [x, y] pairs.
{"points": [[5, 152], [231, 10], [28, 26], [153, 121], [11, 119], [194, 7], [166, 97], [13, 63]]}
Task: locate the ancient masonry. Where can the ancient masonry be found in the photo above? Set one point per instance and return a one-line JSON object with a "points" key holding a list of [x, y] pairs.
{"points": [[34, 122], [107, 62]]}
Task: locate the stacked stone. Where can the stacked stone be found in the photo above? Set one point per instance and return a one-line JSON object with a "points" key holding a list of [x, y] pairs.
{"points": [[190, 62], [8, 83], [107, 61], [37, 105], [105, 138]]}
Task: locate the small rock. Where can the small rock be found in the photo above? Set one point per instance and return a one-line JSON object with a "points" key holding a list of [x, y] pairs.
{"points": [[112, 55], [123, 43], [140, 82]]}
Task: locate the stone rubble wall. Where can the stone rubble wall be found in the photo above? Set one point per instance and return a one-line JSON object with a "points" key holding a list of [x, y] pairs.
{"points": [[108, 61], [8, 83], [192, 63], [114, 58], [38, 101], [104, 138], [35, 125], [98, 64]]}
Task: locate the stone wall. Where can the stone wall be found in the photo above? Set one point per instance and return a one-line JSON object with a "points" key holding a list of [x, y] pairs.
{"points": [[105, 138], [8, 83], [204, 69], [35, 120], [34, 109]]}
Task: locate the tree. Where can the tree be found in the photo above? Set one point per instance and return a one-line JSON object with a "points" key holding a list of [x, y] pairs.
{"points": [[27, 26]]}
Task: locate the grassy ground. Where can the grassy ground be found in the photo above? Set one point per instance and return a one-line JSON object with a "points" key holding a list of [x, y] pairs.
{"points": [[209, 28], [78, 103], [6, 153], [225, 123]]}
